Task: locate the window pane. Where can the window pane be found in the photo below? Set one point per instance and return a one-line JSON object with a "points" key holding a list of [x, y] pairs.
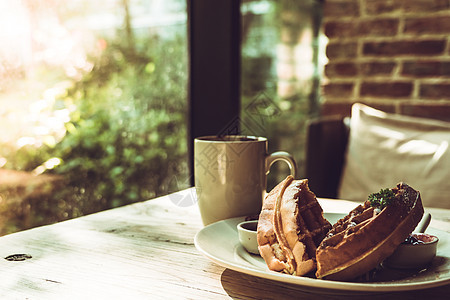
{"points": [[281, 68], [93, 106]]}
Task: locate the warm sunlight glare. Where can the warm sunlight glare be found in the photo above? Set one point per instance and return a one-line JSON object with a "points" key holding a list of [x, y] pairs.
{"points": [[15, 31], [40, 58]]}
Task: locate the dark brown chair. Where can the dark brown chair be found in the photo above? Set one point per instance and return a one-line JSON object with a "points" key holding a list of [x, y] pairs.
{"points": [[327, 139]]}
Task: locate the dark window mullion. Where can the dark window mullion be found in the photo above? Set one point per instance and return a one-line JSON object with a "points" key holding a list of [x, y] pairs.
{"points": [[214, 68]]}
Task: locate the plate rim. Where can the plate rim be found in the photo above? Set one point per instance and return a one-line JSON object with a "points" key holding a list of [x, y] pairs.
{"points": [[306, 281]]}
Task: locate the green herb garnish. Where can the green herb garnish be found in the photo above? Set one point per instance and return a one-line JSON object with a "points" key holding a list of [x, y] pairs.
{"points": [[382, 199]]}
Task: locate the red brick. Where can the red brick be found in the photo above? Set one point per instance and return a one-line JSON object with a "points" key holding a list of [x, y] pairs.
{"points": [[377, 68], [386, 89], [341, 69], [437, 111], [389, 108], [435, 91], [341, 50], [430, 24], [421, 6], [344, 8], [426, 68], [426, 47], [339, 90], [336, 108], [349, 69], [375, 7], [380, 27], [340, 29]]}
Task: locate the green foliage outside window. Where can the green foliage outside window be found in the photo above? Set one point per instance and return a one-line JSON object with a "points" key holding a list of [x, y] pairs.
{"points": [[128, 135], [125, 141]]}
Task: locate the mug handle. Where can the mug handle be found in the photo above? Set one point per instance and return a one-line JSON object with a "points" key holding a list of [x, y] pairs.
{"points": [[284, 156]]}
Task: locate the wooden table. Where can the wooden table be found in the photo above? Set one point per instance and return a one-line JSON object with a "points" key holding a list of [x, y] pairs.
{"points": [[145, 251]]}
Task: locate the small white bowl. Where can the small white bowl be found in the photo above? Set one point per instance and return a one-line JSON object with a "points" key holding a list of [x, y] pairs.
{"points": [[247, 236], [414, 256]]}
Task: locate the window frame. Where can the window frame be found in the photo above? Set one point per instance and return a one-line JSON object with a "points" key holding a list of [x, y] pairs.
{"points": [[214, 42]]}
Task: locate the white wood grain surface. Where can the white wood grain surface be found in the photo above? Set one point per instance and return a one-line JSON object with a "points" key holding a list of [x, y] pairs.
{"points": [[141, 251]]}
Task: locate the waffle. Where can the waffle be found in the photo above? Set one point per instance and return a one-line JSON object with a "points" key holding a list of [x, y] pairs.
{"points": [[290, 227], [366, 236]]}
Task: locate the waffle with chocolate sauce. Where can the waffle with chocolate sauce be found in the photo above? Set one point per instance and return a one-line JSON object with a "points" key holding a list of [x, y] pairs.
{"points": [[290, 227], [360, 241]]}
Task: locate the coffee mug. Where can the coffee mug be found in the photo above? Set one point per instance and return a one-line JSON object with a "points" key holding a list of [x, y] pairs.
{"points": [[231, 175]]}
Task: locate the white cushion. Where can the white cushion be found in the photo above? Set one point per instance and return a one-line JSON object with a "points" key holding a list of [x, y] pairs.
{"points": [[385, 149]]}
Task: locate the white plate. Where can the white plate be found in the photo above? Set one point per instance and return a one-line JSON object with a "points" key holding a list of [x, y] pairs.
{"points": [[220, 243]]}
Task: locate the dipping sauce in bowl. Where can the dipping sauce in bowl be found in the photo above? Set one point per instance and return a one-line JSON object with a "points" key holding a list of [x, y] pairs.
{"points": [[419, 238], [247, 235], [417, 251]]}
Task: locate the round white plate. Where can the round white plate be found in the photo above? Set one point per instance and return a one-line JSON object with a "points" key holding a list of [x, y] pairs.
{"points": [[220, 243]]}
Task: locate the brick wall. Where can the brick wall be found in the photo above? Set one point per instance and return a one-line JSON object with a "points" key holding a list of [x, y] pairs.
{"points": [[391, 54]]}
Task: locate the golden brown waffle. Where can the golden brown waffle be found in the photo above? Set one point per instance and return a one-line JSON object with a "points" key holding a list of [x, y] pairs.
{"points": [[351, 223], [312, 225], [366, 236], [290, 227]]}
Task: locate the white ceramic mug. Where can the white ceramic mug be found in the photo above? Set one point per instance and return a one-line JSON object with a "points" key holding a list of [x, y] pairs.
{"points": [[231, 175]]}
